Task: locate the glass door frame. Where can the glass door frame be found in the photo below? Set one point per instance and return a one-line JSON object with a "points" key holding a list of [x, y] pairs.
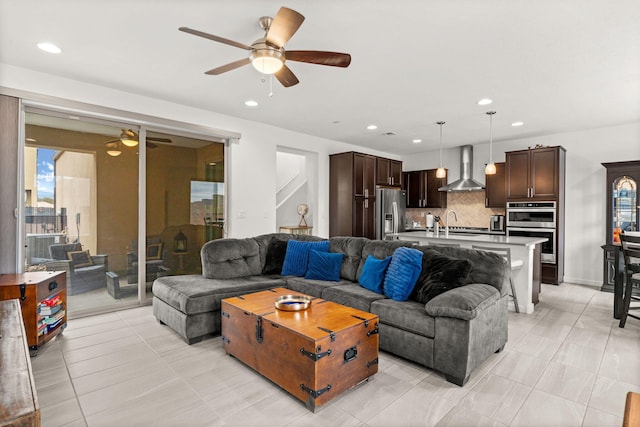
{"points": [[92, 113]]}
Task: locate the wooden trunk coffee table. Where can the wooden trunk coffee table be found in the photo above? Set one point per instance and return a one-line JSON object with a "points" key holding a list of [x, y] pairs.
{"points": [[314, 354]]}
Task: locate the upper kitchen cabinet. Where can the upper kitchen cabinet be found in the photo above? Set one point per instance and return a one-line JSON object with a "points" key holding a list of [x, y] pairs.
{"points": [[535, 174], [422, 189], [389, 172], [496, 188]]}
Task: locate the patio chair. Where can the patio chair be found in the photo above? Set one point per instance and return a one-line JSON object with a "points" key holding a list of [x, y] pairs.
{"points": [[85, 272]]}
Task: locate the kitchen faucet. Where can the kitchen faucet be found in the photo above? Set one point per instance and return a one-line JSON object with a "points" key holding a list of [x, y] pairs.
{"points": [[455, 215]]}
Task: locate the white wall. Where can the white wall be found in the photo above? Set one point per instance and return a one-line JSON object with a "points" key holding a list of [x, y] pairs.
{"points": [[252, 160], [585, 186]]}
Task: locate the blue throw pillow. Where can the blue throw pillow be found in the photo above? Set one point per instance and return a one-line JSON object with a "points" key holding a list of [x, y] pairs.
{"points": [[324, 266], [296, 259], [373, 272], [402, 274]]}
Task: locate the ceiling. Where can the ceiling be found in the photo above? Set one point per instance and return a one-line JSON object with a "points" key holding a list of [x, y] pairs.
{"points": [[555, 65]]}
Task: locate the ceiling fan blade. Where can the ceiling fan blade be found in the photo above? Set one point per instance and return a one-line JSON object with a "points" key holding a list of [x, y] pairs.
{"points": [[228, 67], [164, 140], [214, 38], [334, 59], [286, 77], [284, 25], [151, 145]]}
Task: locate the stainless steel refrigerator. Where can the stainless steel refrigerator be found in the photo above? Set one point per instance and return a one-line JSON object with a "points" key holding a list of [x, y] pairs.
{"points": [[390, 208]]}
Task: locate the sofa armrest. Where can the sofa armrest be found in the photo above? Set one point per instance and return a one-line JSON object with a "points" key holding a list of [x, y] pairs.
{"points": [[464, 302], [100, 260], [61, 265]]}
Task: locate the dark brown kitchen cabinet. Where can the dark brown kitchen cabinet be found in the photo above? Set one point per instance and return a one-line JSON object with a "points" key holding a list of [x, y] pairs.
{"points": [[496, 188], [352, 178], [422, 189], [538, 174], [389, 172], [535, 174]]}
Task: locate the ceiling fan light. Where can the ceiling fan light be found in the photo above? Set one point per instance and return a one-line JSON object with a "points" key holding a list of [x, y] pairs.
{"points": [[113, 149], [267, 61], [128, 140]]}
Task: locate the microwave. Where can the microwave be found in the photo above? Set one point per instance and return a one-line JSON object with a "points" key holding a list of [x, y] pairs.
{"points": [[531, 214]]}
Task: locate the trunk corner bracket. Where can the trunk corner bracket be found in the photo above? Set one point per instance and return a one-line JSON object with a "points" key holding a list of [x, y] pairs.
{"points": [[315, 356]]}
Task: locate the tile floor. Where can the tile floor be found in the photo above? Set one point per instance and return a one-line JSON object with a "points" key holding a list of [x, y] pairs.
{"points": [[568, 364]]}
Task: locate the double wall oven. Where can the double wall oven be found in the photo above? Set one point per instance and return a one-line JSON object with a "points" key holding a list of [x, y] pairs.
{"points": [[534, 219]]}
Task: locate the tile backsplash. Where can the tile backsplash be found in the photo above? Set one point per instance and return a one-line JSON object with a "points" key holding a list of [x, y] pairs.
{"points": [[469, 206]]}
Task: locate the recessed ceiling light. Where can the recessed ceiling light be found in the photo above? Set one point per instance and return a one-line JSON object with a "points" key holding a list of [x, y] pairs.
{"points": [[372, 127], [485, 101], [417, 141], [515, 124], [251, 103], [49, 47]]}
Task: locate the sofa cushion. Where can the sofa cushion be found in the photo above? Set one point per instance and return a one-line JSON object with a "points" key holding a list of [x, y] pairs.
{"points": [[275, 256], [379, 249], [324, 266], [296, 259], [351, 295], [80, 258], [194, 293], [351, 248], [439, 274], [230, 258], [406, 315], [264, 240], [487, 267], [373, 272], [59, 251], [312, 287], [464, 302], [403, 271]]}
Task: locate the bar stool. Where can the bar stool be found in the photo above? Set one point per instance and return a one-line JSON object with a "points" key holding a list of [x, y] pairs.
{"points": [[631, 252], [515, 264]]}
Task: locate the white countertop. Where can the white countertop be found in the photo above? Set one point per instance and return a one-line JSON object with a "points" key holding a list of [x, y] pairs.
{"points": [[426, 236]]}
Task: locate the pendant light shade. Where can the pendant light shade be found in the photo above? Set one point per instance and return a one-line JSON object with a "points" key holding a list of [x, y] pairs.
{"points": [[128, 138], [441, 172], [490, 169], [113, 148]]}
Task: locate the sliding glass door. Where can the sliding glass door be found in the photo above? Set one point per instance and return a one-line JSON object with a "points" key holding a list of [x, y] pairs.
{"points": [[82, 211]]}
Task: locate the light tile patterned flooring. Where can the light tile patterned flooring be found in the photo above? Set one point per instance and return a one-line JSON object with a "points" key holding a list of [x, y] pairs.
{"points": [[568, 364]]}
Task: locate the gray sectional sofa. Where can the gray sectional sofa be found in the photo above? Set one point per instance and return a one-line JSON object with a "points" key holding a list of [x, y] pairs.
{"points": [[453, 333]]}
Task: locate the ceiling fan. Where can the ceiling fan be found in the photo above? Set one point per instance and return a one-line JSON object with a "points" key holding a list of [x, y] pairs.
{"points": [[267, 54], [129, 138]]}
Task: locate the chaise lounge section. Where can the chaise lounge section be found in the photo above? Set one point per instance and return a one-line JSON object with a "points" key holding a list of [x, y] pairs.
{"points": [[453, 333]]}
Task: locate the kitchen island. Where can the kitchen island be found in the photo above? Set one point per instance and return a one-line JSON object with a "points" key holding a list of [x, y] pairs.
{"points": [[527, 249]]}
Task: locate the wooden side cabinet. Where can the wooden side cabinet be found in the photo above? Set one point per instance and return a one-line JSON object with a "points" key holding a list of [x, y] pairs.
{"points": [[30, 289]]}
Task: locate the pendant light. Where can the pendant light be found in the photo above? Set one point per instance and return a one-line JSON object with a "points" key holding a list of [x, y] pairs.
{"points": [[490, 169], [441, 172], [128, 138], [113, 148]]}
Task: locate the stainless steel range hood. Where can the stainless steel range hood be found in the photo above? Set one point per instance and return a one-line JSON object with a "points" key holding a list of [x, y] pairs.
{"points": [[466, 182]]}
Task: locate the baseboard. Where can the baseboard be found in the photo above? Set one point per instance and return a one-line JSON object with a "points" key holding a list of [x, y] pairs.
{"points": [[581, 281]]}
